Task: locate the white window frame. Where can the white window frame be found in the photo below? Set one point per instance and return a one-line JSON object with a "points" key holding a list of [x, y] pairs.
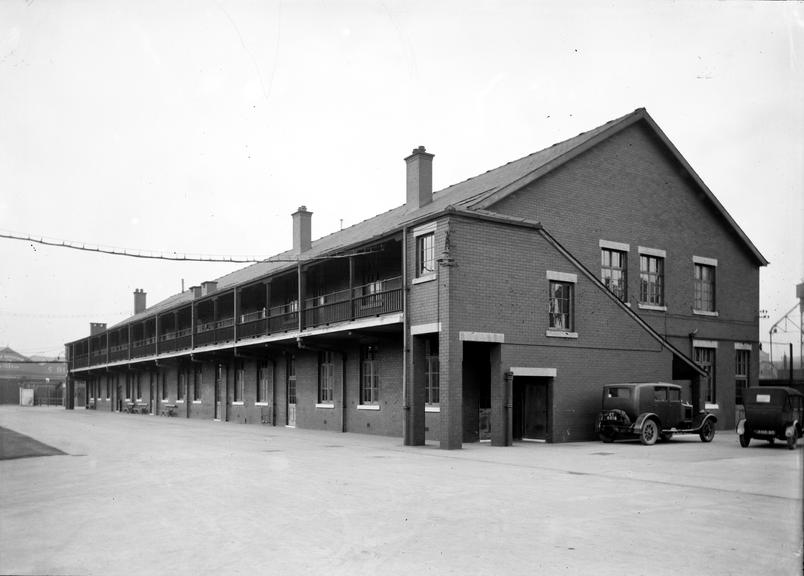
{"points": [[565, 278], [711, 263], [418, 276]]}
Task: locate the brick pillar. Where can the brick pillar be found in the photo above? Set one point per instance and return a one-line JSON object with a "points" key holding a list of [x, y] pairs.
{"points": [[501, 400], [450, 357]]}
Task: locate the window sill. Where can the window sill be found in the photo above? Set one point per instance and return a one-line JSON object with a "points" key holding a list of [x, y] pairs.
{"points": [[425, 278], [705, 313], [368, 407], [560, 334], [179, 401], [197, 401], [237, 404], [432, 408], [264, 404], [642, 306], [325, 405]]}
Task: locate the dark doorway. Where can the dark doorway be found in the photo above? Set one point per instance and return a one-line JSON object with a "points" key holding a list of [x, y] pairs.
{"points": [[477, 391], [531, 414]]}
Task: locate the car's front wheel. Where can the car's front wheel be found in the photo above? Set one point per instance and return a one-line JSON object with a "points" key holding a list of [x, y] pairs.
{"points": [[707, 431], [791, 440], [650, 433], [607, 438]]}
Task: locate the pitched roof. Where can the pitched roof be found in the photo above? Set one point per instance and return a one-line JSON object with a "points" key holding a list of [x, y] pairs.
{"points": [[476, 193], [9, 355]]}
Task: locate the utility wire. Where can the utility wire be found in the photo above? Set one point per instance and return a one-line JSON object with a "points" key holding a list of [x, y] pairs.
{"points": [[176, 256], [129, 252]]}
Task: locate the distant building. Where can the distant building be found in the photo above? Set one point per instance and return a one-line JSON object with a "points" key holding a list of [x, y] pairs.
{"points": [[44, 375], [495, 308]]}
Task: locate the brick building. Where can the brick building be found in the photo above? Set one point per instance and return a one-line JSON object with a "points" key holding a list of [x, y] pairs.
{"points": [[495, 308]]}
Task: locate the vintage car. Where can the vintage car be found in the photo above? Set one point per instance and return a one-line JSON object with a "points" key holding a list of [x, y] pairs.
{"points": [[650, 411], [771, 413]]}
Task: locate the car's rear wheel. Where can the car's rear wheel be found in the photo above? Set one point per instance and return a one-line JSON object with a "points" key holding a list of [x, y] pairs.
{"points": [[791, 440], [650, 433], [707, 431], [745, 439]]}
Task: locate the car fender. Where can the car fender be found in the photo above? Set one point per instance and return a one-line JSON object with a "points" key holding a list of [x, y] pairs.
{"points": [[790, 430], [711, 417], [641, 420], [741, 427]]}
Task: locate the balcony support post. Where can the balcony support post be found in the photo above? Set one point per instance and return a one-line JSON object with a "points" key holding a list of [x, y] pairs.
{"points": [[351, 287], [156, 335], [236, 298]]}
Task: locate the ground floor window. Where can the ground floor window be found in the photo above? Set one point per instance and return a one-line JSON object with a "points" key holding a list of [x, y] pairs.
{"points": [[741, 367], [326, 377], [292, 379], [197, 382], [138, 378], [240, 383], [705, 357], [431, 372], [263, 375], [369, 377], [182, 386], [128, 387], [108, 388], [163, 379]]}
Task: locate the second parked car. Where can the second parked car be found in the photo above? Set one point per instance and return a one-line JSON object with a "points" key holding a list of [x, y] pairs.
{"points": [[650, 411]]}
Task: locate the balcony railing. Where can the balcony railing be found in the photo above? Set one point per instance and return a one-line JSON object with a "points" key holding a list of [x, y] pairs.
{"points": [[143, 347], [215, 332], [176, 340]]}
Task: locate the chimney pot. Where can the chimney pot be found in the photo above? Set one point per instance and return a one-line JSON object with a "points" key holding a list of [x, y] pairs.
{"points": [[208, 287], [419, 178], [139, 300], [302, 230], [96, 328]]}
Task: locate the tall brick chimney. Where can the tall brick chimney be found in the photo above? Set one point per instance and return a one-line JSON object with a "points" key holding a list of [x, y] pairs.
{"points": [[302, 230], [139, 300], [419, 178]]}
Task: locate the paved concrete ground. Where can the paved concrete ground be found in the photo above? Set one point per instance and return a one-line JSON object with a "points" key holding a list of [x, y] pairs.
{"points": [[149, 495]]}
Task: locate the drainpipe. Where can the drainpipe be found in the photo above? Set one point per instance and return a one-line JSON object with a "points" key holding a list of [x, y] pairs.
{"points": [[406, 433]]}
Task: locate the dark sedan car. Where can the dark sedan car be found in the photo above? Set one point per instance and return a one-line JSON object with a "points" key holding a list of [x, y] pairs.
{"points": [[650, 411], [772, 413]]}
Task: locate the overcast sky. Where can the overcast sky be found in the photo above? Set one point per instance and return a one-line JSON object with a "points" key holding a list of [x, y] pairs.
{"points": [[201, 126]]}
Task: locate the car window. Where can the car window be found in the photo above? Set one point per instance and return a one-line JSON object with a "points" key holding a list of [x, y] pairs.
{"points": [[619, 393], [660, 394], [675, 395]]}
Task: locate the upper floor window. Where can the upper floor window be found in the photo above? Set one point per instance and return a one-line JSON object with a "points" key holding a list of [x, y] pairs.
{"points": [[561, 306], [651, 279], [704, 297], [326, 377], [425, 254], [613, 271]]}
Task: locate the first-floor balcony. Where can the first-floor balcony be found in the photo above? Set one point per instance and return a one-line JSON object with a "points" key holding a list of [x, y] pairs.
{"points": [[372, 299], [176, 340], [215, 332]]}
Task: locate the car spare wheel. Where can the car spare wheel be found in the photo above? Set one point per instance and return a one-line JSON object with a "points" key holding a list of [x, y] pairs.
{"points": [[650, 433], [707, 431]]}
